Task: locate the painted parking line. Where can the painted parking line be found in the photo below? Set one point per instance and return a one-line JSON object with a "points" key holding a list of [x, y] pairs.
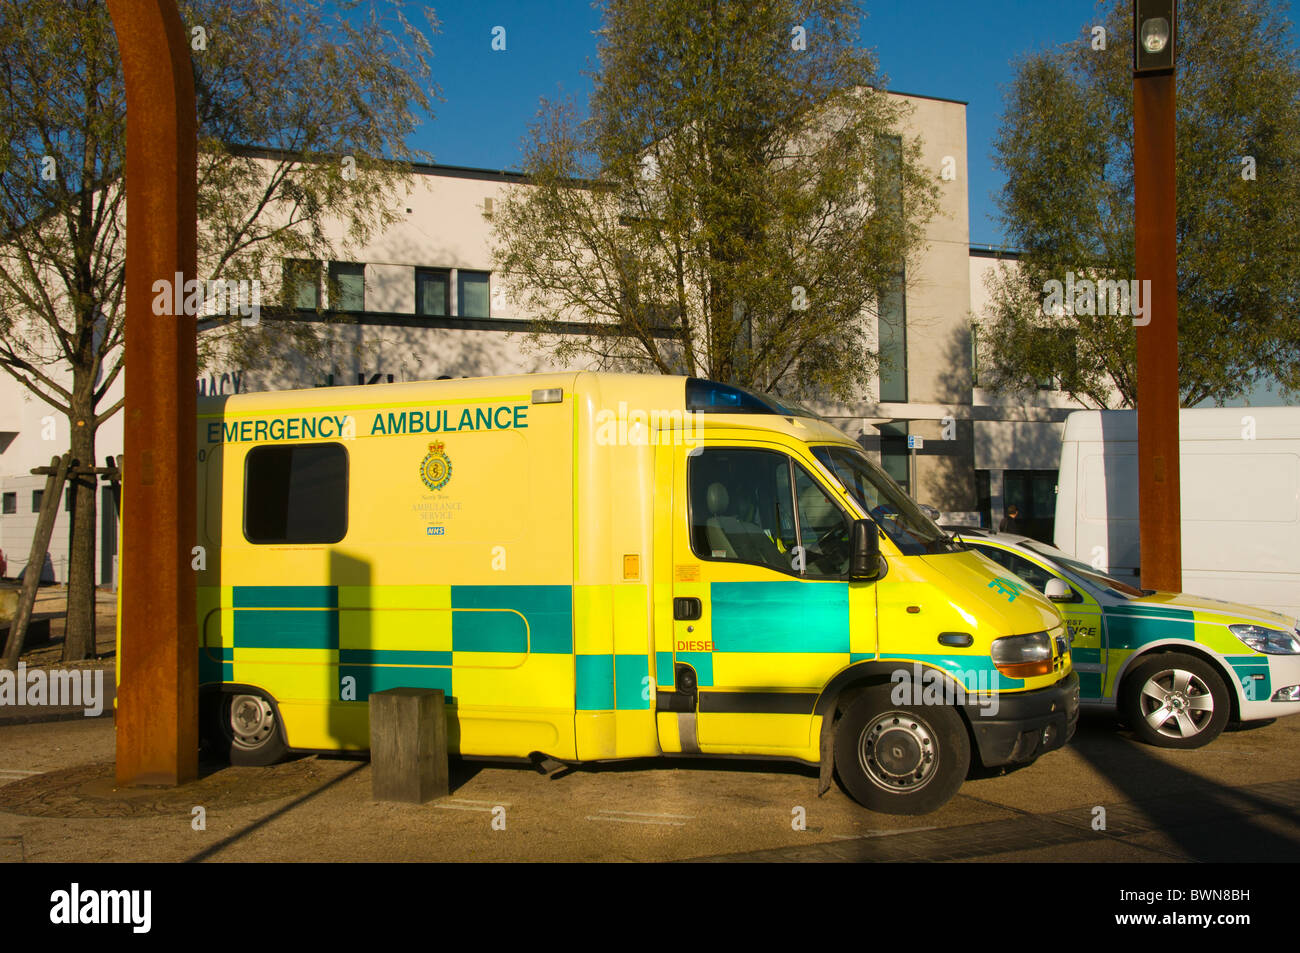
{"points": [[470, 804], [642, 817], [906, 830]]}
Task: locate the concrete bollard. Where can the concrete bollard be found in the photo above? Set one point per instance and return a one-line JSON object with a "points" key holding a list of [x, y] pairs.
{"points": [[408, 745]]}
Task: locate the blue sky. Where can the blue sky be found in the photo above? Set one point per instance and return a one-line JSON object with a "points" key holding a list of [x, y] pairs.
{"points": [[952, 49]]}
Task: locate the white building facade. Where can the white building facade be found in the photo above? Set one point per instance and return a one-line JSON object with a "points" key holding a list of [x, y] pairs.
{"points": [[421, 301]]}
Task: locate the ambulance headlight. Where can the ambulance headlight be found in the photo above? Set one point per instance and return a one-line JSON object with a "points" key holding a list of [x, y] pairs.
{"points": [[1022, 656], [1266, 640]]}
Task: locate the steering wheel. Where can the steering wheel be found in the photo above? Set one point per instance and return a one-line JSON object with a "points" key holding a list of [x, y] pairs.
{"points": [[830, 550], [832, 540]]}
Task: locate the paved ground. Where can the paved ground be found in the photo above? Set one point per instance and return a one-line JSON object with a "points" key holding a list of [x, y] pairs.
{"points": [[1238, 799]]}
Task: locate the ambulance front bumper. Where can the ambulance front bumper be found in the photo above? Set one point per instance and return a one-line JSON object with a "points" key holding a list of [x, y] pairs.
{"points": [[1026, 724]]}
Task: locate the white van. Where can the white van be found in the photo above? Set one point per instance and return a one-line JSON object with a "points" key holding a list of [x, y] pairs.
{"points": [[1240, 477]]}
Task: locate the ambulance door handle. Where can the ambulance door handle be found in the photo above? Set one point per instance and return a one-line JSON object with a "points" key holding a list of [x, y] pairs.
{"points": [[687, 608]]}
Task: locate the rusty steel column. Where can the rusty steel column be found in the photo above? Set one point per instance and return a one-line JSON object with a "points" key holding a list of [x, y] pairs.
{"points": [[157, 701], [1159, 518]]}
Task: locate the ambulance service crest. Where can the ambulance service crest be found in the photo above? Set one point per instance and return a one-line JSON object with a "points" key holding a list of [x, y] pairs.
{"points": [[435, 469]]}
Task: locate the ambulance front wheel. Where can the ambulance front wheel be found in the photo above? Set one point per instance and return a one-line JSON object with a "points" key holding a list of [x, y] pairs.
{"points": [[244, 727], [900, 759]]}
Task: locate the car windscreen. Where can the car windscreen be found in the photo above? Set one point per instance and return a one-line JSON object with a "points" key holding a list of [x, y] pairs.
{"points": [[898, 517], [1096, 577]]}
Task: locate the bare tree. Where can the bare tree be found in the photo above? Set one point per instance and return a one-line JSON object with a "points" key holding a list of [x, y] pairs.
{"points": [[328, 87]]}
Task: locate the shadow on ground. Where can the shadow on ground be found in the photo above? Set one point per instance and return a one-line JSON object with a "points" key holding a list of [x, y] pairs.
{"points": [[1198, 817]]}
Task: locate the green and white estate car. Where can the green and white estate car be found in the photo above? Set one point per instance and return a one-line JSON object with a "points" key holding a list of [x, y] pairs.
{"points": [[1178, 667]]}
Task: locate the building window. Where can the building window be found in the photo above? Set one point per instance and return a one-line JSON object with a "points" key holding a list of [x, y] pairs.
{"points": [[894, 454], [347, 286], [889, 168], [472, 297], [1033, 493], [10, 503], [891, 320], [433, 292], [891, 329], [974, 355], [984, 496], [296, 493], [302, 284], [37, 496]]}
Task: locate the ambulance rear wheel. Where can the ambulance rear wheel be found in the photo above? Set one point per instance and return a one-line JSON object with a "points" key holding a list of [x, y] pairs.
{"points": [[900, 759], [1172, 700], [246, 730]]}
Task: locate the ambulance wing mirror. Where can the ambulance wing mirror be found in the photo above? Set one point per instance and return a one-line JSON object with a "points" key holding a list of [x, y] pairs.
{"points": [[1058, 591], [864, 560]]}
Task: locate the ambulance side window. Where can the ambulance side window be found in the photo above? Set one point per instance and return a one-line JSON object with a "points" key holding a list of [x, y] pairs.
{"points": [[744, 508], [823, 528], [296, 493], [741, 507]]}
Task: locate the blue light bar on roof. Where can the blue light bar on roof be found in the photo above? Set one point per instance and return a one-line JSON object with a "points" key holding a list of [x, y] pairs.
{"points": [[710, 397], [703, 396]]}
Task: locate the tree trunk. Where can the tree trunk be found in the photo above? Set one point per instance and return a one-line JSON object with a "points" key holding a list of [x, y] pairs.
{"points": [[55, 480], [79, 638]]}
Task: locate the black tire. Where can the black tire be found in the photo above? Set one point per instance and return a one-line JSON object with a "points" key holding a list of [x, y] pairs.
{"points": [[1172, 700], [927, 758], [243, 727]]}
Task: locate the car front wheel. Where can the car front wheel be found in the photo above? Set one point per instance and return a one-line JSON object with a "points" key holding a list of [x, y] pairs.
{"points": [[1175, 701]]}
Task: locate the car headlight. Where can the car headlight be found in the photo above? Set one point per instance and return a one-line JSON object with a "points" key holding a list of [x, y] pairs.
{"points": [[1266, 640], [1021, 656]]}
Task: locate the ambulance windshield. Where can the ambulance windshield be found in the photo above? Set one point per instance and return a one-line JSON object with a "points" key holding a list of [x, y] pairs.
{"points": [[914, 533]]}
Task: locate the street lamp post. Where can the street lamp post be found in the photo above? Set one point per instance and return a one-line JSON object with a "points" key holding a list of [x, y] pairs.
{"points": [[1154, 46]]}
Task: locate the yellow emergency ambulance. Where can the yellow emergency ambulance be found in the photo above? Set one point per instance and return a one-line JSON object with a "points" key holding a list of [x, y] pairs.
{"points": [[602, 566]]}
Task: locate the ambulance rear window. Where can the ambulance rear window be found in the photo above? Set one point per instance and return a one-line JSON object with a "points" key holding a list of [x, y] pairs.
{"points": [[296, 493]]}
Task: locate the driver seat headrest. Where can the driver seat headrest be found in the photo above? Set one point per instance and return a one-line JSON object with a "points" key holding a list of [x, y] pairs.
{"points": [[717, 499]]}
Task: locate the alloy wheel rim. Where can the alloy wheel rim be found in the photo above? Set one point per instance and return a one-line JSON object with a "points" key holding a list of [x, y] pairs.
{"points": [[1177, 703]]}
